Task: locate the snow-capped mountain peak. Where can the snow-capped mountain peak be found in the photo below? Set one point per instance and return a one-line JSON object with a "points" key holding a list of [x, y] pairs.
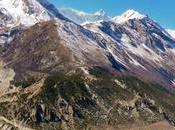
{"points": [[100, 12], [22, 12], [16, 14], [129, 14], [81, 17], [26, 12]]}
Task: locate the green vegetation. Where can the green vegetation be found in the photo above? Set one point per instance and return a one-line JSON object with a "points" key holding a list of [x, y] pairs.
{"points": [[102, 100], [162, 96], [105, 87], [100, 72], [109, 91], [25, 83], [65, 86]]}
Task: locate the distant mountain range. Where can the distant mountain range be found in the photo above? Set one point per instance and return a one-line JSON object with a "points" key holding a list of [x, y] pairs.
{"points": [[82, 17]]}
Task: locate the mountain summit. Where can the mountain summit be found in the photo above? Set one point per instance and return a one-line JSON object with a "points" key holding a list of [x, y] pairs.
{"points": [[26, 12], [16, 14], [101, 12], [129, 14], [80, 17]]}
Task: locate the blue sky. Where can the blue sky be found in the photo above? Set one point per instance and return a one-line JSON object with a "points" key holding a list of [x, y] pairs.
{"points": [[163, 11]]}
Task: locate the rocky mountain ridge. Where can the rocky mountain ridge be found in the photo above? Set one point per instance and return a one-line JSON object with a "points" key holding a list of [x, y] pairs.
{"points": [[62, 75]]}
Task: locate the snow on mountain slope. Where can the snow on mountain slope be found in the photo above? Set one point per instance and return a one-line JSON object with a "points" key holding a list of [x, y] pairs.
{"points": [[30, 12], [171, 32], [17, 14], [141, 42], [83, 45], [131, 36], [129, 14], [131, 43], [23, 12], [27, 12], [80, 17]]}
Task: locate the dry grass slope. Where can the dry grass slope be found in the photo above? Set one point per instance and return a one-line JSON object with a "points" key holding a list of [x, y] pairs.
{"points": [[163, 125], [157, 126]]}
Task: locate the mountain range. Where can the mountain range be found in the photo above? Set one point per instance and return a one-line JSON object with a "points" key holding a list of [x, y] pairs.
{"points": [[80, 70], [80, 17]]}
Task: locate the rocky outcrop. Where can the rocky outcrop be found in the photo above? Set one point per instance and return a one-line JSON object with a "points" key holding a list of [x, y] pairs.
{"points": [[73, 102]]}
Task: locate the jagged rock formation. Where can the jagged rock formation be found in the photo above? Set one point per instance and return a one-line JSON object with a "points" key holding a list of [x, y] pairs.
{"points": [[76, 102]]}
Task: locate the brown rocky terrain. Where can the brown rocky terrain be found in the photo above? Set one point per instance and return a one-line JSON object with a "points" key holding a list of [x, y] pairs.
{"points": [[163, 125], [58, 75]]}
